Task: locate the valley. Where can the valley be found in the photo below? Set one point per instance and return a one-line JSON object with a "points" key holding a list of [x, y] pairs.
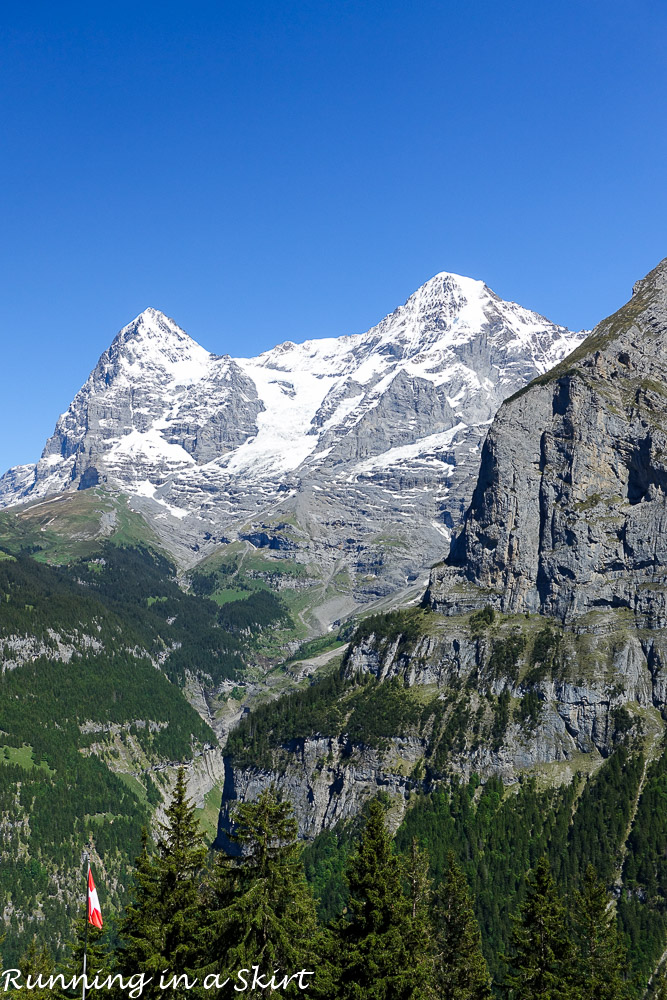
{"points": [[251, 575]]}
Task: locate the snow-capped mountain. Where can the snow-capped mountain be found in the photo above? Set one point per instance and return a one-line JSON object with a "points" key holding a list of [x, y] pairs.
{"points": [[357, 451]]}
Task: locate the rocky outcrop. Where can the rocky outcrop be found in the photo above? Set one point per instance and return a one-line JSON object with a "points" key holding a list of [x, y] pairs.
{"points": [[570, 509], [505, 697], [327, 781], [15, 650], [583, 675], [203, 772]]}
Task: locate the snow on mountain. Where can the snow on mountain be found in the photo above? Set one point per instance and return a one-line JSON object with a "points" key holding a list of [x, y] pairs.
{"points": [[367, 443]]}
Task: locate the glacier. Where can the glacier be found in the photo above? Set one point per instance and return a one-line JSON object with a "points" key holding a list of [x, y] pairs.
{"points": [[356, 454]]}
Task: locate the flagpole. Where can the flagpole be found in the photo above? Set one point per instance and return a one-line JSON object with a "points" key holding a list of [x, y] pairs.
{"points": [[85, 933]]}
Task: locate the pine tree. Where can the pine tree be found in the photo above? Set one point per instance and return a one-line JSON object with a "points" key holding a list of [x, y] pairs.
{"points": [[141, 928], [160, 928], [380, 957], [420, 940], [181, 859], [419, 882], [97, 952], [461, 969], [602, 958], [542, 967], [264, 911], [35, 962]]}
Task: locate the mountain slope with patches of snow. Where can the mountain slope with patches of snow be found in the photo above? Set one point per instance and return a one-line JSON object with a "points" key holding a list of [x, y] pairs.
{"points": [[365, 445]]}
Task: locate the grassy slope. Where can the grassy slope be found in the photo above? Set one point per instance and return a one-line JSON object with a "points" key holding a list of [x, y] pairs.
{"points": [[73, 525]]}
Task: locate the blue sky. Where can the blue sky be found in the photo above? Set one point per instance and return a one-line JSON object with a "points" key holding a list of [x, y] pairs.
{"points": [[264, 171]]}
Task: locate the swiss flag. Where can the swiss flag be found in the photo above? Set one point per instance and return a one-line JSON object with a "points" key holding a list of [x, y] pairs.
{"points": [[94, 912]]}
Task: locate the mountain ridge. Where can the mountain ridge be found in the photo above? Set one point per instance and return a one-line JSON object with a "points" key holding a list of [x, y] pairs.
{"points": [[372, 437]]}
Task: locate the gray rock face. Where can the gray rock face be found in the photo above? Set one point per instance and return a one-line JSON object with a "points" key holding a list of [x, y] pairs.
{"points": [[569, 513], [411, 408], [601, 666], [327, 781], [597, 671], [366, 445], [230, 424], [16, 482], [202, 773], [20, 649]]}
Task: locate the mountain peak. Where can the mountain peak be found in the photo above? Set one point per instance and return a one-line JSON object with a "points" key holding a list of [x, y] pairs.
{"points": [[154, 341], [153, 324], [149, 313], [450, 279], [447, 289]]}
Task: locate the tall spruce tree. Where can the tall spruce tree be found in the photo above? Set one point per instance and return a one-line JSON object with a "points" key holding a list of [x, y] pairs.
{"points": [[418, 879], [161, 926], [141, 941], [602, 957], [543, 964], [461, 969], [263, 910], [380, 957], [181, 859], [420, 942]]}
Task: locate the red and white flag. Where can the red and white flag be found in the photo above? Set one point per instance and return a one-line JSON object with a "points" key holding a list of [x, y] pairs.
{"points": [[94, 912]]}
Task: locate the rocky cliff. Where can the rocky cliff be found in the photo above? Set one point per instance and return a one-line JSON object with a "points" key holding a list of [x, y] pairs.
{"points": [[570, 509], [482, 693]]}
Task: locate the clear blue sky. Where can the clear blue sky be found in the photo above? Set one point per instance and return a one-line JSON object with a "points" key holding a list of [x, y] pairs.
{"points": [[264, 171]]}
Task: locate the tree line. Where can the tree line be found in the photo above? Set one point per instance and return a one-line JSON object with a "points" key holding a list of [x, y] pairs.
{"points": [[246, 921]]}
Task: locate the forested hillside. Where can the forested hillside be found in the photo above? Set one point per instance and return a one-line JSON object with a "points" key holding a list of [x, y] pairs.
{"points": [[94, 656], [513, 866], [497, 835], [92, 711]]}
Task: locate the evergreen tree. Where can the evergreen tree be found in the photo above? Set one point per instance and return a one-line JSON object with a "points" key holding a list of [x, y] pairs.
{"points": [[420, 941], [35, 962], [602, 958], [161, 927], [461, 969], [140, 927], [419, 882], [97, 952], [542, 967], [380, 957], [264, 911], [659, 985], [181, 859]]}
